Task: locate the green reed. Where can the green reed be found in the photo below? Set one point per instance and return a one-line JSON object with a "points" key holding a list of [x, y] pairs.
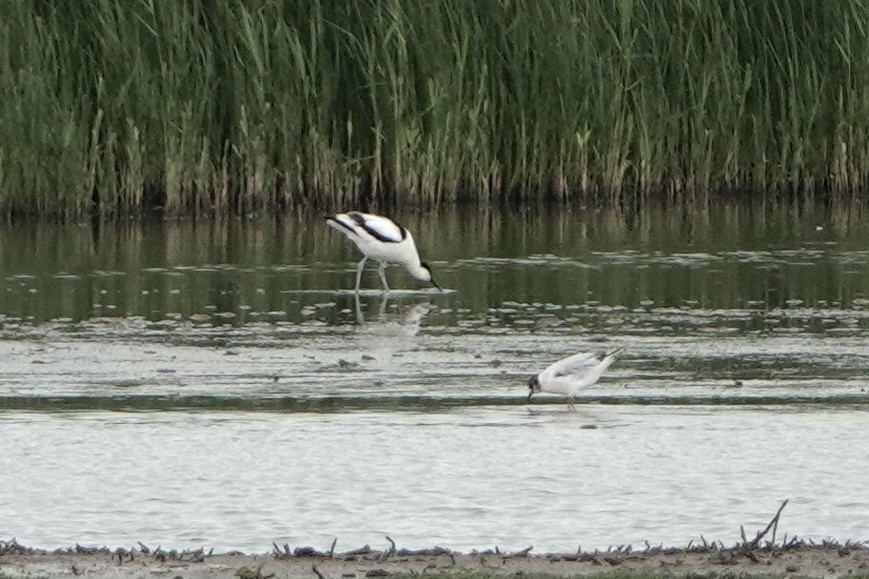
{"points": [[247, 105]]}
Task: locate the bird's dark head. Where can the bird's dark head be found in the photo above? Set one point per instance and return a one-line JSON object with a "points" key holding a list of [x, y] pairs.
{"points": [[533, 386], [425, 275]]}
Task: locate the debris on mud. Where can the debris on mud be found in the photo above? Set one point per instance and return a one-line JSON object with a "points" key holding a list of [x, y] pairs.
{"points": [[759, 556]]}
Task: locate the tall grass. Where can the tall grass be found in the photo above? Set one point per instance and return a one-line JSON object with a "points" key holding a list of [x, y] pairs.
{"points": [[245, 105]]}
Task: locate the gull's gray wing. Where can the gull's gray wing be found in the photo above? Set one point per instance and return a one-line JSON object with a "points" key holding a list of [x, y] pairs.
{"points": [[576, 365]]}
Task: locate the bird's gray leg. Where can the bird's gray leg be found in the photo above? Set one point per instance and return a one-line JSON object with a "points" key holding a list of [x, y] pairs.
{"points": [[383, 302], [382, 271], [360, 319], [570, 404], [359, 269]]}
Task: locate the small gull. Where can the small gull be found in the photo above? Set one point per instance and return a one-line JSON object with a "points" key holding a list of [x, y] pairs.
{"points": [[570, 375]]}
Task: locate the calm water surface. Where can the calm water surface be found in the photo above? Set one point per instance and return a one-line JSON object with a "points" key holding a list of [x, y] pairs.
{"points": [[216, 384]]}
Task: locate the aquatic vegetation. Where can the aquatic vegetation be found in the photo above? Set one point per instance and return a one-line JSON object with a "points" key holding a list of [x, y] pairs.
{"points": [[120, 108]]}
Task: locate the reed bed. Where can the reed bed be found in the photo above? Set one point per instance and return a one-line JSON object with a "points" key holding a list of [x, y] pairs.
{"points": [[197, 107]]}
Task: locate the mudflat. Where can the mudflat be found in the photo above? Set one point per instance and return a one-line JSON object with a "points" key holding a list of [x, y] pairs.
{"points": [[794, 558]]}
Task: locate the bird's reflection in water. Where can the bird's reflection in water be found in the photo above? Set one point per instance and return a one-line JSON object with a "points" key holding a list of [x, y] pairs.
{"points": [[404, 322]]}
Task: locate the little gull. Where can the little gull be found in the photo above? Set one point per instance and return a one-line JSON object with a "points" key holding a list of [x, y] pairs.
{"points": [[570, 375], [381, 239]]}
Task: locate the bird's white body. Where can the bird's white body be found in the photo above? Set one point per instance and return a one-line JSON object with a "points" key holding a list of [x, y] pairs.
{"points": [[572, 374], [383, 240]]}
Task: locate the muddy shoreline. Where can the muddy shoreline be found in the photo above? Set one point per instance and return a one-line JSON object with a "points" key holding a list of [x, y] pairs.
{"points": [[788, 557]]}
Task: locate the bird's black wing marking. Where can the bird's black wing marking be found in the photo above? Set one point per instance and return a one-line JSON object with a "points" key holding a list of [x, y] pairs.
{"points": [[334, 219], [374, 232], [358, 218]]}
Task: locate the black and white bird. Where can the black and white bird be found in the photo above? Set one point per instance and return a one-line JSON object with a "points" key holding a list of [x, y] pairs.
{"points": [[384, 240], [570, 375]]}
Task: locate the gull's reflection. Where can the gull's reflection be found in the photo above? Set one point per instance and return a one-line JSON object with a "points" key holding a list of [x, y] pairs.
{"points": [[401, 323]]}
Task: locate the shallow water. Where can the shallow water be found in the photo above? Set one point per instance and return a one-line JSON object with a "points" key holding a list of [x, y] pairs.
{"points": [[216, 384]]}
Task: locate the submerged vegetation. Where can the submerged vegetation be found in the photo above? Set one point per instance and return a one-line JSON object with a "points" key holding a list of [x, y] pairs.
{"points": [[198, 107]]}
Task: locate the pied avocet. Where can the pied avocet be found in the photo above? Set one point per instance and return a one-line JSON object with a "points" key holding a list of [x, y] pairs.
{"points": [[381, 239]]}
